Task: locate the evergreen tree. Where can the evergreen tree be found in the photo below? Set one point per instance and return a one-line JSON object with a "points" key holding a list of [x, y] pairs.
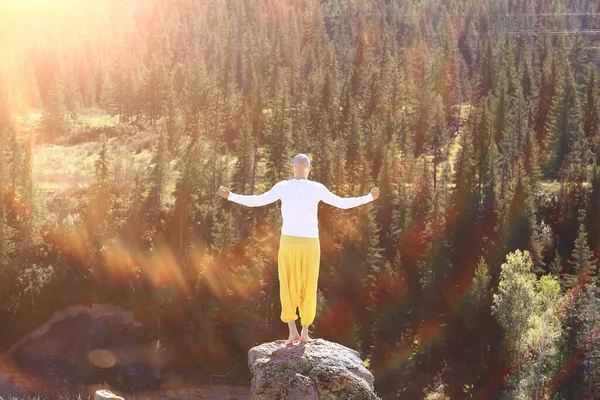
{"points": [[438, 136], [53, 119], [591, 110], [480, 300], [583, 263], [244, 152], [563, 123], [71, 94], [155, 89], [279, 138], [158, 181]]}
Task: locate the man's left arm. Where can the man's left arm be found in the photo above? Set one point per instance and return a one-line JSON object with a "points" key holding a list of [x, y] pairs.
{"points": [[271, 196]]}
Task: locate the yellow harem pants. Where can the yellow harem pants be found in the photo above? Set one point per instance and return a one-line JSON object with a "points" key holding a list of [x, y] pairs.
{"points": [[298, 265]]}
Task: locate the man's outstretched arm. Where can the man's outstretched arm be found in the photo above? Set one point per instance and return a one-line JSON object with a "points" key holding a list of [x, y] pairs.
{"points": [[272, 195], [347, 202]]}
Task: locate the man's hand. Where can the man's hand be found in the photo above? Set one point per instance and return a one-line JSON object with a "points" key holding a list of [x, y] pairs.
{"points": [[375, 192], [223, 192]]}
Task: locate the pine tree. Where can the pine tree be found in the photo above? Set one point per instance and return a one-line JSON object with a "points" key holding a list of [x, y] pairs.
{"points": [[371, 317], [155, 89], [419, 95], [486, 70], [174, 121], [563, 123], [547, 90], [115, 94], [556, 264], [323, 155], [53, 119], [480, 297], [158, 181], [482, 137], [501, 109], [71, 94], [244, 152], [591, 110], [278, 139], [354, 154], [583, 263], [438, 136]]}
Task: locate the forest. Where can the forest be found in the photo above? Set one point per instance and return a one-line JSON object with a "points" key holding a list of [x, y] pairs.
{"points": [[474, 275]]}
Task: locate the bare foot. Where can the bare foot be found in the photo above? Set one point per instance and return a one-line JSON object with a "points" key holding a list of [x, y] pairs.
{"points": [[292, 339], [304, 338]]}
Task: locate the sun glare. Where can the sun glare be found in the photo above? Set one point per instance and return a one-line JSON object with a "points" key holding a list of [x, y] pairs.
{"points": [[26, 4]]}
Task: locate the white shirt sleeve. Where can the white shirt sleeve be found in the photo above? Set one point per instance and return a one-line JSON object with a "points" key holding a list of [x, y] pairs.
{"points": [[342, 202], [271, 196]]}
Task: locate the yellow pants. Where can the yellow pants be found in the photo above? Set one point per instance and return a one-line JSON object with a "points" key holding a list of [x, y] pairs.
{"points": [[298, 265]]}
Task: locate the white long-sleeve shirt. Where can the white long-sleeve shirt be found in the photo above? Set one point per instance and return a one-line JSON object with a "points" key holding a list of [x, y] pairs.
{"points": [[299, 201]]}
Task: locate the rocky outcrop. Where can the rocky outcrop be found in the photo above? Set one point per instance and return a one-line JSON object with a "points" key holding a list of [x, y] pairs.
{"points": [[87, 345], [319, 370]]}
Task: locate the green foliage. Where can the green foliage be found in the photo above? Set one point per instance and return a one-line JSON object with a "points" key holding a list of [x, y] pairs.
{"points": [[527, 309]]}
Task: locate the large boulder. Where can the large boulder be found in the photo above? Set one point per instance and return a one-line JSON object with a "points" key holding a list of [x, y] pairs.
{"points": [[319, 370], [88, 345]]}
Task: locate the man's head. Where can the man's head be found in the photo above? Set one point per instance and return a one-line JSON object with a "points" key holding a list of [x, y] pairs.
{"points": [[301, 166]]}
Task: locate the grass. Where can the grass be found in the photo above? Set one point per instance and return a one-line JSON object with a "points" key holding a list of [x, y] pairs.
{"points": [[59, 167]]}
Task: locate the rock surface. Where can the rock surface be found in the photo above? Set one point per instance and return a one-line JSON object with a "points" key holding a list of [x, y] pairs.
{"points": [[319, 370], [105, 395]]}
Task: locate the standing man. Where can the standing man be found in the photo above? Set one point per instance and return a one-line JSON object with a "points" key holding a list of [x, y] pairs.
{"points": [[299, 247]]}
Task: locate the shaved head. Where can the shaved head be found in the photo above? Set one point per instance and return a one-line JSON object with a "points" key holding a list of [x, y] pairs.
{"points": [[301, 160]]}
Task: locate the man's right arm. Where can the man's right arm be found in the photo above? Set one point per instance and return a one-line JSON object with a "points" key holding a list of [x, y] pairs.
{"points": [[269, 197], [342, 202]]}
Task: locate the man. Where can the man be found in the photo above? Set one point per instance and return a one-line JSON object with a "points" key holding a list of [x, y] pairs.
{"points": [[299, 247]]}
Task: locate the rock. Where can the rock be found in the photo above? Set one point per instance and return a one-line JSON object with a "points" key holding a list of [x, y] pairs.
{"points": [[106, 394], [100, 344], [317, 370]]}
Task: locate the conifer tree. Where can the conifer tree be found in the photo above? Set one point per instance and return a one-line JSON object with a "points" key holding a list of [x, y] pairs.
{"points": [[591, 110], [158, 181], [278, 139], [53, 119], [354, 153], [438, 136], [480, 297], [482, 136], [155, 89], [244, 152], [115, 94], [370, 281], [583, 263], [71, 94], [323, 155], [547, 90], [563, 123]]}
